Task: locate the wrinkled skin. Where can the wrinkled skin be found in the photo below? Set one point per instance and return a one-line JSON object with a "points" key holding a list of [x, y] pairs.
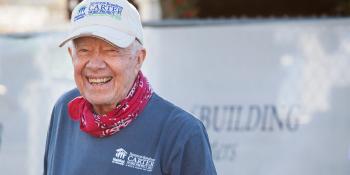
{"points": [[104, 73]]}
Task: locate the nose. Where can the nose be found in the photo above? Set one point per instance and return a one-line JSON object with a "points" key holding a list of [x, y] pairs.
{"points": [[96, 64]]}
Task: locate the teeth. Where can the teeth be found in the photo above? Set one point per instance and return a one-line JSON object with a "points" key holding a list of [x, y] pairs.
{"points": [[99, 80]]}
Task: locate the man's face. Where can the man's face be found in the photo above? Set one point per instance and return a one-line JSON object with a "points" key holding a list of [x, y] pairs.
{"points": [[104, 73]]}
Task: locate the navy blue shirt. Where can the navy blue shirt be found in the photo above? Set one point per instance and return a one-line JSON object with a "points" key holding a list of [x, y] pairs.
{"points": [[163, 140]]}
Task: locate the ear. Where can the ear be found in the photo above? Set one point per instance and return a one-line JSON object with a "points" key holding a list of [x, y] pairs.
{"points": [[70, 51], [140, 58]]}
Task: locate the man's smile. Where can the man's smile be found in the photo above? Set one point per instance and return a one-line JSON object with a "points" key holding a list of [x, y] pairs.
{"points": [[99, 80]]}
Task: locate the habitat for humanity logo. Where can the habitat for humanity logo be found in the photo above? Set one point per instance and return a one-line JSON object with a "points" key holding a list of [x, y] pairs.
{"points": [[120, 156], [100, 9], [81, 13], [133, 160]]}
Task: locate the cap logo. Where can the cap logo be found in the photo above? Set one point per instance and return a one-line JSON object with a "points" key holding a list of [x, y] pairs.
{"points": [[81, 13], [99, 9]]}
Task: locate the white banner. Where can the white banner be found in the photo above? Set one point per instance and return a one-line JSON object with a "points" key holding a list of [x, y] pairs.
{"points": [[274, 95]]}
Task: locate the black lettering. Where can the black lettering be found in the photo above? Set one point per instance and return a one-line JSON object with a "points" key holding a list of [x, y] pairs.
{"points": [[238, 119], [214, 148], [292, 119], [91, 7], [96, 8], [103, 8], [217, 123], [224, 151], [109, 10], [231, 116], [264, 117], [204, 116], [120, 9], [253, 118], [232, 152], [117, 10], [275, 118]]}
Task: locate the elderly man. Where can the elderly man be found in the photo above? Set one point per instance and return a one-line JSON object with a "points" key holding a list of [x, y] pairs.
{"points": [[113, 123]]}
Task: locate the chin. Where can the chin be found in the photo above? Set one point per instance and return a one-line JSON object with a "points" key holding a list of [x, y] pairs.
{"points": [[98, 100]]}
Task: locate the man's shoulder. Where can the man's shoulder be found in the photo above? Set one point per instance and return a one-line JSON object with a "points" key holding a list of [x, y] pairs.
{"points": [[177, 116], [67, 96]]}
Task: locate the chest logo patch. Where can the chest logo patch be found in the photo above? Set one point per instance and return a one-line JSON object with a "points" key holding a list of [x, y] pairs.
{"points": [[132, 160]]}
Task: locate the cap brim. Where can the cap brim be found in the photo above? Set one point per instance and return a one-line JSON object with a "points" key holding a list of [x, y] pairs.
{"points": [[107, 34]]}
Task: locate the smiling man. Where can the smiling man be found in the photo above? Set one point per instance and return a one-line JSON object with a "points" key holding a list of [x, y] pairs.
{"points": [[113, 123]]}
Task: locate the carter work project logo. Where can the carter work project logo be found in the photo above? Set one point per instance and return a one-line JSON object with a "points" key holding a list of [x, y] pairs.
{"points": [[99, 9], [133, 160]]}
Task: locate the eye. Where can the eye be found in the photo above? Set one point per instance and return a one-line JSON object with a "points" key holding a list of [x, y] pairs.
{"points": [[83, 50], [113, 50]]}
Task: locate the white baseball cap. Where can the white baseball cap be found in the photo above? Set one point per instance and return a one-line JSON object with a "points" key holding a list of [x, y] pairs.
{"points": [[115, 21]]}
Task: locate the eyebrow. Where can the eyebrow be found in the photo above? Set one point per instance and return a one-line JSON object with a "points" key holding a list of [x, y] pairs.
{"points": [[75, 43]]}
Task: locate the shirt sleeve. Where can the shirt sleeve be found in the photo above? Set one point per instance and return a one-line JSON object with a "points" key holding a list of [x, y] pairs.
{"points": [[48, 143], [194, 157]]}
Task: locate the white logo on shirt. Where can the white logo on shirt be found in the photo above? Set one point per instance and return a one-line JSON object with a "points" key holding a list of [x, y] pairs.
{"points": [[120, 156], [133, 160]]}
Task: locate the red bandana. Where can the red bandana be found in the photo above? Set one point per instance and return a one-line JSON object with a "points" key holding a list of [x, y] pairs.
{"points": [[122, 115]]}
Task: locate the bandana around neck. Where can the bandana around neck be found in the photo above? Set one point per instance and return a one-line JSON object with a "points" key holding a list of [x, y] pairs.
{"points": [[120, 117]]}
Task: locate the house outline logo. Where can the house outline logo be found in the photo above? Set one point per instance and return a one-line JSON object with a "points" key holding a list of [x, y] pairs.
{"points": [[82, 10], [81, 13], [120, 156]]}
